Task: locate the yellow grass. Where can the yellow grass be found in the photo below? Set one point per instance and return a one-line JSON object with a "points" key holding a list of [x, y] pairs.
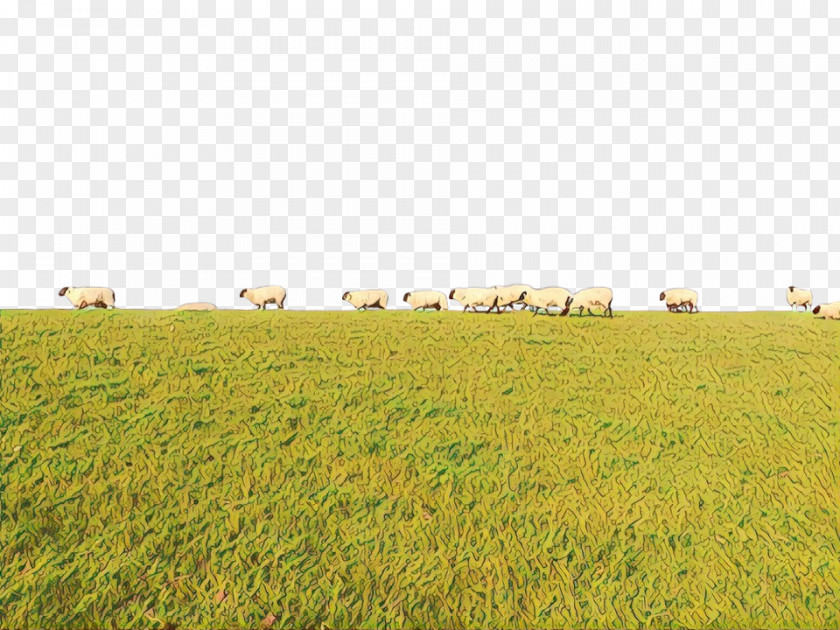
{"points": [[418, 470]]}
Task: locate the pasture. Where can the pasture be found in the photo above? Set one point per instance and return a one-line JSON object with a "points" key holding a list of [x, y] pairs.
{"points": [[301, 469]]}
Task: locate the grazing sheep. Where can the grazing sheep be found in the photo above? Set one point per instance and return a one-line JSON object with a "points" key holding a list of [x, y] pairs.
{"points": [[471, 298], [676, 298], [197, 306], [543, 299], [510, 295], [827, 311], [374, 298], [426, 299], [265, 295], [596, 297], [799, 297], [82, 297]]}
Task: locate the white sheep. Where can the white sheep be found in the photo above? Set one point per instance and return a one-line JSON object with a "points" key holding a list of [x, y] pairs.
{"points": [[676, 298], [473, 297], [510, 295], [197, 306], [799, 297], [596, 297], [827, 311], [261, 296], [374, 298], [82, 297], [426, 299], [546, 298]]}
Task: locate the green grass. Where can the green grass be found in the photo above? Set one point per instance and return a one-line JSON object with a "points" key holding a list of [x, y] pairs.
{"points": [[418, 470]]}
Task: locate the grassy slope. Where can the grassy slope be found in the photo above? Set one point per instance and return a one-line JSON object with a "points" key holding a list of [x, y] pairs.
{"points": [[422, 469]]}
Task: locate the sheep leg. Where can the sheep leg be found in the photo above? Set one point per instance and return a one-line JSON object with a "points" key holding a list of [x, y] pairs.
{"points": [[82, 305], [589, 310]]}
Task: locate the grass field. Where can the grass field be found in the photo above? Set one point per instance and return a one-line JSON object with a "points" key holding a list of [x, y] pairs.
{"points": [[231, 469]]}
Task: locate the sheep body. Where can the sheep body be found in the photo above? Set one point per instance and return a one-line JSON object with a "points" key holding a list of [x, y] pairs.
{"points": [[799, 297], [596, 297], [261, 296], [510, 295], [828, 311], [473, 297], [426, 299], [82, 297], [675, 298], [545, 298], [373, 298], [197, 306]]}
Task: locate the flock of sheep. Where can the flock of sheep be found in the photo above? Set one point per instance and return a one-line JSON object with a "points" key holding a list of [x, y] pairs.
{"points": [[496, 297]]}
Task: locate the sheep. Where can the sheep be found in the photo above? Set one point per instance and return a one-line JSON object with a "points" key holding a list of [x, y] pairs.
{"points": [[473, 297], [588, 298], [545, 298], [799, 297], [261, 296], [827, 311], [197, 306], [510, 295], [676, 298], [374, 298], [426, 299], [82, 297]]}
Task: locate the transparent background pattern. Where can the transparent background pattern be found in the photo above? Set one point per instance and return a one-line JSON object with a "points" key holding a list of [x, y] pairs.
{"points": [[181, 151]]}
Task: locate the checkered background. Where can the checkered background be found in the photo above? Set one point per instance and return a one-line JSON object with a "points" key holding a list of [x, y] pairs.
{"points": [[181, 151]]}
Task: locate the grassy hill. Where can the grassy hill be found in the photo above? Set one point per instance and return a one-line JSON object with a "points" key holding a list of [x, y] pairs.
{"points": [[418, 469]]}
